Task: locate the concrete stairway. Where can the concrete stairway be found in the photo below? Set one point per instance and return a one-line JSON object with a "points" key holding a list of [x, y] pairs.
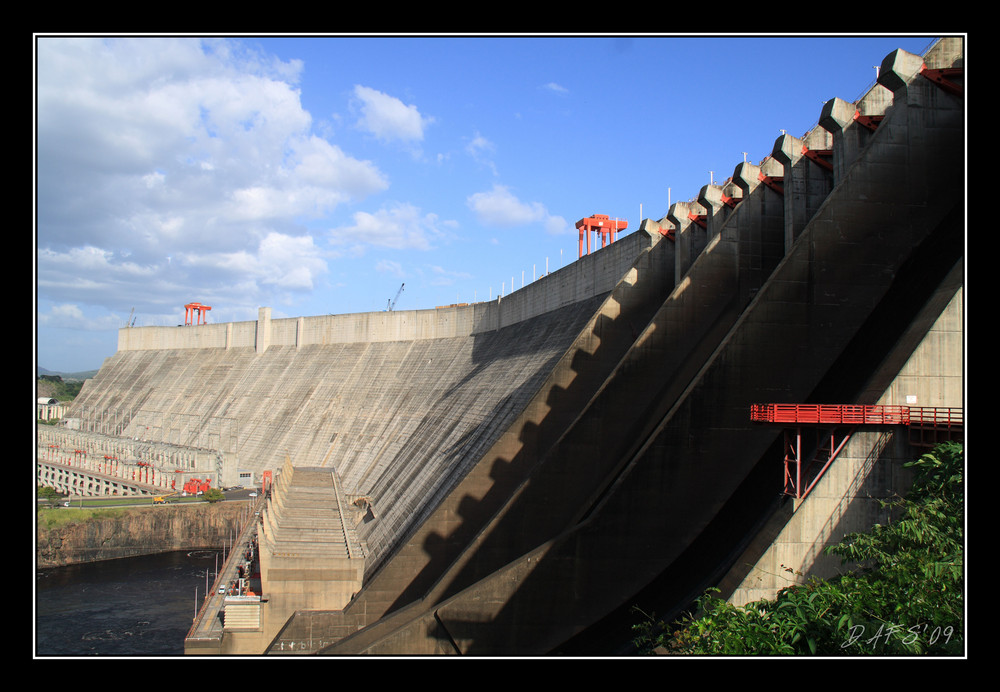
{"points": [[305, 517]]}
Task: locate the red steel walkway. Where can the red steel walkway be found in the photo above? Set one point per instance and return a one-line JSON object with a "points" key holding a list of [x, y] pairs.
{"points": [[928, 426]]}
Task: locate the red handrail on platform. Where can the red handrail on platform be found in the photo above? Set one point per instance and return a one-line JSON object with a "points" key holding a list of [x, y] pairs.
{"points": [[850, 414], [834, 424]]}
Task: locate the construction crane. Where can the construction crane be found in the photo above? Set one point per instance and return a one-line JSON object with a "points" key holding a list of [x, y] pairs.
{"points": [[392, 303]]}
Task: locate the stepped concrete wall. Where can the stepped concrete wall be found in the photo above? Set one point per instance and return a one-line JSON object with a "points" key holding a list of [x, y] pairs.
{"points": [[453, 522], [310, 557], [816, 323]]}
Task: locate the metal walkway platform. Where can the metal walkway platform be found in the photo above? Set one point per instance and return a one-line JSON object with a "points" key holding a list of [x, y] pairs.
{"points": [[834, 424]]}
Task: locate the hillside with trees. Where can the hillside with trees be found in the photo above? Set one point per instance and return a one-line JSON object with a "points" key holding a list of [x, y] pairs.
{"points": [[56, 387]]}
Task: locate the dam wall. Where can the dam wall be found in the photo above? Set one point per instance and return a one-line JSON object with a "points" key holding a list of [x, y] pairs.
{"points": [[592, 275], [522, 469], [799, 301], [400, 404]]}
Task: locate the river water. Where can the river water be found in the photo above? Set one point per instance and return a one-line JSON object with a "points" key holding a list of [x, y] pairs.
{"points": [[140, 606]]}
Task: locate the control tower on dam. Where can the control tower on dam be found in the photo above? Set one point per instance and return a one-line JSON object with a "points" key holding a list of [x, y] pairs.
{"points": [[513, 473]]}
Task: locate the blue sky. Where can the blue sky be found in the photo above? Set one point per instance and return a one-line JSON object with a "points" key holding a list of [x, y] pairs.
{"points": [[315, 175]]}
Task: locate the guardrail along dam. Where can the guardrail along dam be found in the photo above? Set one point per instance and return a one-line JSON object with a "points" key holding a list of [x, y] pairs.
{"points": [[510, 477]]}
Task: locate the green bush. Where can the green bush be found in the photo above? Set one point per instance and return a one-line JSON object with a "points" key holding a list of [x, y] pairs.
{"points": [[213, 495], [903, 597], [47, 492]]}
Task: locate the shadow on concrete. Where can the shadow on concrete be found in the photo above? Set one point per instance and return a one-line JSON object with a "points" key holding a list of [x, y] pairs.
{"points": [[569, 386], [535, 434], [876, 352]]}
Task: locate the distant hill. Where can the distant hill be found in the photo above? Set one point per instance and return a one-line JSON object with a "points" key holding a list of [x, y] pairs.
{"points": [[67, 376]]}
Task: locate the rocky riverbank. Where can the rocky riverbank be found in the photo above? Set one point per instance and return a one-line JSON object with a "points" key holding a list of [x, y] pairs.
{"points": [[109, 534]]}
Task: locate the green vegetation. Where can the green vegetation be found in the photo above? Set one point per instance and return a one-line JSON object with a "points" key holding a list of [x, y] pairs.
{"points": [[52, 518], [213, 495], [903, 597], [47, 492], [60, 389]]}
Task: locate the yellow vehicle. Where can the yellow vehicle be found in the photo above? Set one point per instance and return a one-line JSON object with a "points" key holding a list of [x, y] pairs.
{"points": [[161, 499]]}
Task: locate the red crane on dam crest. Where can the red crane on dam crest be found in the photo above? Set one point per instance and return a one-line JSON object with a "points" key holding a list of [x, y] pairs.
{"points": [[599, 223], [191, 308]]}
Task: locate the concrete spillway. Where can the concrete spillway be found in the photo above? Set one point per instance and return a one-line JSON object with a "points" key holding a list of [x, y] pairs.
{"points": [[531, 466]]}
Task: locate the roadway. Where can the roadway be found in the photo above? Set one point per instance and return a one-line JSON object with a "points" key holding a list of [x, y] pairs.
{"points": [[208, 622], [76, 501]]}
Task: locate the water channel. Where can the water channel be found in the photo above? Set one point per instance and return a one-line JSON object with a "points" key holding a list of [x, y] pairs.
{"points": [[140, 606]]}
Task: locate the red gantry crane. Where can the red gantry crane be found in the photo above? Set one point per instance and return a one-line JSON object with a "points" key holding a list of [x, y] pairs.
{"points": [[599, 223], [192, 308]]}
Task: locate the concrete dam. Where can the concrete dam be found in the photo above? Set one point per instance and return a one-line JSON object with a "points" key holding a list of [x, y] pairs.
{"points": [[504, 478]]}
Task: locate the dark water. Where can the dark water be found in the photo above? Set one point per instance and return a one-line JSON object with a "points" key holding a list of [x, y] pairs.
{"points": [[141, 606]]}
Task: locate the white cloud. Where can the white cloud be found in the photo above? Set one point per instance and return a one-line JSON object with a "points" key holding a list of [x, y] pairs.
{"points": [[557, 88], [388, 118], [283, 261], [401, 226], [478, 145], [89, 274], [390, 267], [71, 316], [158, 157], [479, 148], [444, 277], [321, 165], [499, 207]]}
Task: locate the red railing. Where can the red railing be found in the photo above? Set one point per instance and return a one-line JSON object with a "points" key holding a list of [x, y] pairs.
{"points": [[848, 414], [936, 416], [834, 424]]}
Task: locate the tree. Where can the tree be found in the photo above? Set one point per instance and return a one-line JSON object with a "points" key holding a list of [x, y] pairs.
{"points": [[47, 492], [213, 495], [904, 595]]}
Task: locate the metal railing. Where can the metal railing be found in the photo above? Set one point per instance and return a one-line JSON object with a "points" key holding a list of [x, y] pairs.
{"points": [[849, 414]]}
